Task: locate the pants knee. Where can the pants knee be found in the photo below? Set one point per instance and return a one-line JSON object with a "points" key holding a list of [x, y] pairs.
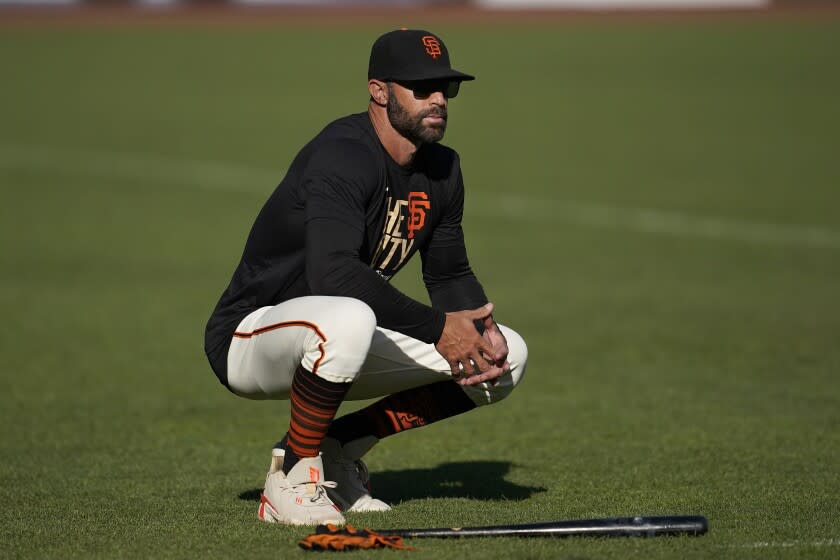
{"points": [[485, 393], [347, 328], [350, 320]]}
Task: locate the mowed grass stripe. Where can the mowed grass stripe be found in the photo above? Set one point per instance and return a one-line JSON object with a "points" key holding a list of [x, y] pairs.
{"points": [[229, 176], [789, 544]]}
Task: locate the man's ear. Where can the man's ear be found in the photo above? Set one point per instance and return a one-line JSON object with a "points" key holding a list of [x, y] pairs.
{"points": [[378, 92]]}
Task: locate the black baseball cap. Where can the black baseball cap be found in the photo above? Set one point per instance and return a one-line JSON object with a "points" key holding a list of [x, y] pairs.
{"points": [[411, 55]]}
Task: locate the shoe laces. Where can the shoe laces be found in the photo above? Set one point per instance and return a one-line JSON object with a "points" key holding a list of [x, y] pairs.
{"points": [[320, 493]]}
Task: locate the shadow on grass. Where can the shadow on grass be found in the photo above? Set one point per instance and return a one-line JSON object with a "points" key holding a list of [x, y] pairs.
{"points": [[477, 480]]}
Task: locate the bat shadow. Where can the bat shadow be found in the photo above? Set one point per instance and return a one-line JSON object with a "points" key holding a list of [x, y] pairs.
{"points": [[476, 480]]}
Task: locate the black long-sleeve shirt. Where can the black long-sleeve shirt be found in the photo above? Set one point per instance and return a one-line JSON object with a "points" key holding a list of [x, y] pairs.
{"points": [[343, 221]]}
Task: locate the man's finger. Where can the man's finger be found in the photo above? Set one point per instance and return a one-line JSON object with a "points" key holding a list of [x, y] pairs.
{"points": [[483, 375], [455, 366], [488, 376], [480, 313], [484, 346], [480, 363]]}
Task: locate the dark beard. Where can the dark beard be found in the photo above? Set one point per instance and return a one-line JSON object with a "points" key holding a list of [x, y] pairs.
{"points": [[413, 129]]}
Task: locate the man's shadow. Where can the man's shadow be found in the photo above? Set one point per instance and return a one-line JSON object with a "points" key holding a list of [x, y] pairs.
{"points": [[477, 480]]}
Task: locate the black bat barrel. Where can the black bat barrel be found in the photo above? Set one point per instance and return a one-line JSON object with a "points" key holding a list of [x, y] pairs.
{"points": [[694, 525]]}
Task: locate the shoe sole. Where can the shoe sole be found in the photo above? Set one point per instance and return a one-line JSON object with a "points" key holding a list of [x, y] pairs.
{"points": [[370, 506], [367, 510], [268, 513], [364, 504]]}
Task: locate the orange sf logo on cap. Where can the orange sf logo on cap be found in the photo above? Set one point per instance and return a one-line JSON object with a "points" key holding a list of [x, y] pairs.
{"points": [[432, 46]]}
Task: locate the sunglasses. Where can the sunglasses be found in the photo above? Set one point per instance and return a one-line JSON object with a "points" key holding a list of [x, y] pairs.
{"points": [[423, 89]]}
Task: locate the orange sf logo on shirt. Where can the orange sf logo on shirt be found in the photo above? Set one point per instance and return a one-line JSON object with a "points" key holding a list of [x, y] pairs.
{"points": [[418, 203], [432, 46]]}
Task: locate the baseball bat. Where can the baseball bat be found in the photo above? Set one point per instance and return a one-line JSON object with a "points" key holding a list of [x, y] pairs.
{"points": [[654, 526]]}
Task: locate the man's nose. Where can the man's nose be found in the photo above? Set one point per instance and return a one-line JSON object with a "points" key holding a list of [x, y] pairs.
{"points": [[438, 98]]}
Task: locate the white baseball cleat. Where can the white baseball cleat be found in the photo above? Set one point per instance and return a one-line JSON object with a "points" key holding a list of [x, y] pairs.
{"points": [[300, 497], [345, 466]]}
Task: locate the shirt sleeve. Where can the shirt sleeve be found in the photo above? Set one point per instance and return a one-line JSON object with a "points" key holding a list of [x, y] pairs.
{"points": [[450, 281], [340, 181]]}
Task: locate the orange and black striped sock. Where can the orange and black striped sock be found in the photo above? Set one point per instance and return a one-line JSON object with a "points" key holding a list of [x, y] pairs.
{"points": [[402, 411], [314, 404]]}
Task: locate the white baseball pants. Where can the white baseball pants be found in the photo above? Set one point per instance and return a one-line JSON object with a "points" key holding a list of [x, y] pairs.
{"points": [[337, 339]]}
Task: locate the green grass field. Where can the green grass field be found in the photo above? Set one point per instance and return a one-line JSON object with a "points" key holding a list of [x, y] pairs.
{"points": [[655, 207]]}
